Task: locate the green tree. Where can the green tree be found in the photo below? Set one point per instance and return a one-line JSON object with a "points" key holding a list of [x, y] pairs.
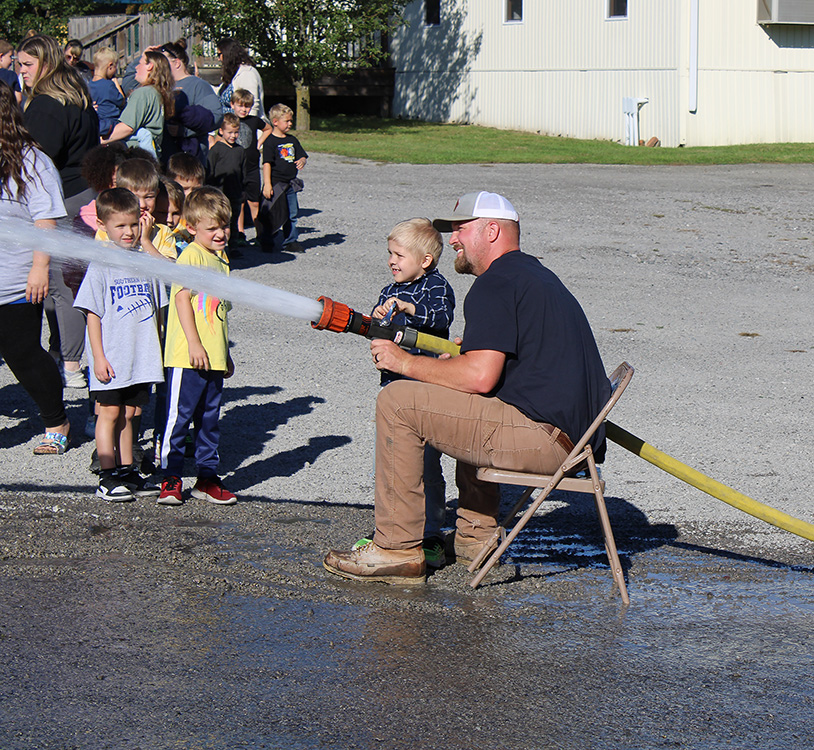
{"points": [[43, 16], [303, 39]]}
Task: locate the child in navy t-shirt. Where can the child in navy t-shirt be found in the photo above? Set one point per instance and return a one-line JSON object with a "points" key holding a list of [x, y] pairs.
{"points": [[108, 98]]}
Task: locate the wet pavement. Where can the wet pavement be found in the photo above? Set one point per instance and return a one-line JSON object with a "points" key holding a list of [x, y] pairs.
{"points": [[209, 632]]}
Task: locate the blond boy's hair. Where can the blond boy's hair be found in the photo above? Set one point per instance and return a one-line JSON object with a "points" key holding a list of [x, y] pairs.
{"points": [[104, 56], [207, 203], [230, 118], [137, 175], [243, 96], [280, 110], [5, 47], [117, 200], [419, 237]]}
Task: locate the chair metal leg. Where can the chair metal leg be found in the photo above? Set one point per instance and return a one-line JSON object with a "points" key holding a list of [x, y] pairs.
{"points": [[518, 527], [610, 543], [500, 531]]}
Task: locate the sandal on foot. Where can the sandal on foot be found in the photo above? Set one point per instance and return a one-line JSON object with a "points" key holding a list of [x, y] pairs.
{"points": [[54, 443]]}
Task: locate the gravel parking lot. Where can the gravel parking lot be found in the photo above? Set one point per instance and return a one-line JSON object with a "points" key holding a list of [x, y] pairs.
{"points": [[144, 626]]}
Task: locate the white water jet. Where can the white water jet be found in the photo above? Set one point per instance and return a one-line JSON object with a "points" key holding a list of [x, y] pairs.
{"points": [[71, 246]]}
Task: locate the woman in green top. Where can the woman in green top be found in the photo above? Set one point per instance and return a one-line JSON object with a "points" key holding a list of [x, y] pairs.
{"points": [[142, 121]]}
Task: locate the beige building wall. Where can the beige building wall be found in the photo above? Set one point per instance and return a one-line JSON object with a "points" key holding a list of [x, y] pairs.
{"points": [[755, 83], [565, 68]]}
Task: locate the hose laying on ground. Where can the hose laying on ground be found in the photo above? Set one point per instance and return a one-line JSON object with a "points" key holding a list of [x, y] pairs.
{"points": [[706, 484]]}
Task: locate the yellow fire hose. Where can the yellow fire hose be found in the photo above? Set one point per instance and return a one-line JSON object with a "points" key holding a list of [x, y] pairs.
{"points": [[435, 344], [706, 484], [672, 466]]}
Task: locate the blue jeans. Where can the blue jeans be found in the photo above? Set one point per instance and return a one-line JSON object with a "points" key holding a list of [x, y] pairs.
{"points": [[293, 214], [144, 139], [435, 493]]}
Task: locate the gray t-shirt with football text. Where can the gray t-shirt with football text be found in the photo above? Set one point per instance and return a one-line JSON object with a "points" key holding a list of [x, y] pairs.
{"points": [[128, 306]]}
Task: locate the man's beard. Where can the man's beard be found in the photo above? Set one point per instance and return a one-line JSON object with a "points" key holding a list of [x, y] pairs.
{"points": [[462, 264]]}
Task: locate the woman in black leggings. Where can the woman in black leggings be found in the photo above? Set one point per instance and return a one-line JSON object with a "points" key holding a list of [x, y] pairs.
{"points": [[60, 116], [29, 190]]}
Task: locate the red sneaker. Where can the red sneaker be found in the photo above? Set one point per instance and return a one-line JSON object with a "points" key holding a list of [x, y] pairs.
{"points": [[171, 489], [211, 490]]}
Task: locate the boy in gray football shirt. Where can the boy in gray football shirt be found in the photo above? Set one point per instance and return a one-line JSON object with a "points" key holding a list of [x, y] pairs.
{"points": [[124, 348]]}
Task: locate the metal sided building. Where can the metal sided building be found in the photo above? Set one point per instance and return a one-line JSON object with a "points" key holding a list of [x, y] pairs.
{"points": [[712, 72]]}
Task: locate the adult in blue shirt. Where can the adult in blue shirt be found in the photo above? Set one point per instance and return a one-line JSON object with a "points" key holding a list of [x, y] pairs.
{"points": [[198, 109], [528, 381], [8, 76]]}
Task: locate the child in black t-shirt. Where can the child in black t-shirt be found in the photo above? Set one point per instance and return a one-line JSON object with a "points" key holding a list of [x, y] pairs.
{"points": [[242, 103], [226, 169], [283, 158]]}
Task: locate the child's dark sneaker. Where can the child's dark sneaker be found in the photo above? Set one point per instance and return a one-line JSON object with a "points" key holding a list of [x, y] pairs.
{"points": [[434, 554], [211, 490], [171, 489], [112, 488], [139, 485]]}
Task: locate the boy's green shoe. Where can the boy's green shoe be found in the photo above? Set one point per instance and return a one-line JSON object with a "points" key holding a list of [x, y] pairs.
{"points": [[362, 542], [434, 551]]}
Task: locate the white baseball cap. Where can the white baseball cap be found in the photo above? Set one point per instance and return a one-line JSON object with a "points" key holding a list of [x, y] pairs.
{"points": [[480, 205]]}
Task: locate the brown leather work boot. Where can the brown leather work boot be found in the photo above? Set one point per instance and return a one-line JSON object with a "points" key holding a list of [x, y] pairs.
{"points": [[373, 563], [467, 549]]}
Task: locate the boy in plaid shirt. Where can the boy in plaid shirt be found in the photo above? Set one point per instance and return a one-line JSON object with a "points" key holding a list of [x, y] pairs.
{"points": [[423, 300]]}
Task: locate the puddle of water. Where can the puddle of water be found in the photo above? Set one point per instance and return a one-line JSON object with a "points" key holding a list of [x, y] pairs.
{"points": [[709, 651], [195, 523]]}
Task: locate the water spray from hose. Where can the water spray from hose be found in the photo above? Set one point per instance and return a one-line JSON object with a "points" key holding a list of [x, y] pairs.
{"points": [[16, 233]]}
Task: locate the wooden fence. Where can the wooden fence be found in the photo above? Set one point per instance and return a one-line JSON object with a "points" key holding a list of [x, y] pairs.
{"points": [[130, 35]]}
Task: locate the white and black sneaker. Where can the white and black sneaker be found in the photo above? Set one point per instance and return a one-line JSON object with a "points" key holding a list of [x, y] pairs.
{"points": [[112, 488], [139, 486]]}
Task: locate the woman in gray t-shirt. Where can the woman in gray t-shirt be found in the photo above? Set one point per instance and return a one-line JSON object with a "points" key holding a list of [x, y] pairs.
{"points": [[30, 190]]}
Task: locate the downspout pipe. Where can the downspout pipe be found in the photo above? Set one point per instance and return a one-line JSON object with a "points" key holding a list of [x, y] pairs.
{"points": [[693, 97]]}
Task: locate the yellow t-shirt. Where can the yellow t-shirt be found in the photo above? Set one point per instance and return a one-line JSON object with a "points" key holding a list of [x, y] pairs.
{"points": [[161, 238], [210, 314]]}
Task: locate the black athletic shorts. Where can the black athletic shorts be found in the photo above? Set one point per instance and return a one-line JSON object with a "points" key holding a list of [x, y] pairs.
{"points": [[251, 186], [137, 394]]}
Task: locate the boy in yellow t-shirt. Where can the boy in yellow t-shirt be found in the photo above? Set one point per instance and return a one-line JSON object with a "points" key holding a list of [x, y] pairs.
{"points": [[196, 355]]}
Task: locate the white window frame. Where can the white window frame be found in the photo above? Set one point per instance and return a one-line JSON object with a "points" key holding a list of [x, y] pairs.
{"points": [[506, 9], [609, 17]]}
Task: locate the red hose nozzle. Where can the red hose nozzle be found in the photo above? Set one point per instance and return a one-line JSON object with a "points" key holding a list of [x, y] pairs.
{"points": [[335, 316]]}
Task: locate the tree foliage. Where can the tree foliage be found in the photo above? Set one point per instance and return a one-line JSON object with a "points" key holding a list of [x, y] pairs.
{"points": [[303, 39], [43, 16]]}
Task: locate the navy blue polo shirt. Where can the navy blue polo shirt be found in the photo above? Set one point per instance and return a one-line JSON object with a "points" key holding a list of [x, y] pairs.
{"points": [[553, 371]]}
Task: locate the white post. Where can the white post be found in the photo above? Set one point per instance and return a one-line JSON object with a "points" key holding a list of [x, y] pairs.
{"points": [[631, 106]]}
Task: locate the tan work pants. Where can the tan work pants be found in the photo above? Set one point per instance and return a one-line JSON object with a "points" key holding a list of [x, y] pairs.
{"points": [[476, 430]]}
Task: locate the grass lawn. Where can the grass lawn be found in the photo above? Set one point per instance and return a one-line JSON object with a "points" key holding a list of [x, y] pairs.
{"points": [[415, 142]]}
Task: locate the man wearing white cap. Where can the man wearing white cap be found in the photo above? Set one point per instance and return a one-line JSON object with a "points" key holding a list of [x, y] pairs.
{"points": [[529, 379]]}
